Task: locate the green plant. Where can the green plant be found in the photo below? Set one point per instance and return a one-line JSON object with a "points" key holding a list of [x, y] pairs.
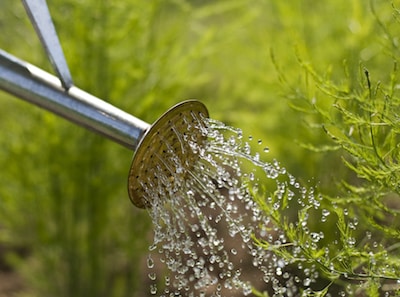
{"points": [[351, 248], [144, 56]]}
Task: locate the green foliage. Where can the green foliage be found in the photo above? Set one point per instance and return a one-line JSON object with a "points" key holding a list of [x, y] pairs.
{"points": [[359, 118], [63, 192]]}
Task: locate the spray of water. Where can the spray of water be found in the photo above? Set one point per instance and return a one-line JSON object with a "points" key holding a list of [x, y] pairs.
{"points": [[215, 220], [204, 223]]}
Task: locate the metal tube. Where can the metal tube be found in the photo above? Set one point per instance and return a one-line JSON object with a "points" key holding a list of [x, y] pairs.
{"points": [[36, 86], [41, 20]]}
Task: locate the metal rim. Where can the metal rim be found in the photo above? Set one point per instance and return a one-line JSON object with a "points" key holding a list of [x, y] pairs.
{"points": [[151, 144]]}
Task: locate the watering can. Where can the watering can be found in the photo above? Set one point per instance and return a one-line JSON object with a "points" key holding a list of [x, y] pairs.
{"points": [[59, 95]]}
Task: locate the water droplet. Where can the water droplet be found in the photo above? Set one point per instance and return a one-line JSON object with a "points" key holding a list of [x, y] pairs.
{"points": [[316, 237], [325, 212], [247, 290], [351, 241], [306, 282], [256, 157], [152, 276], [153, 289], [280, 263], [167, 280], [278, 271], [150, 262], [251, 176]]}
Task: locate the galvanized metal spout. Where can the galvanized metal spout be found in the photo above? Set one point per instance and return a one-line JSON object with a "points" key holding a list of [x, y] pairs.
{"points": [[151, 143], [45, 90]]}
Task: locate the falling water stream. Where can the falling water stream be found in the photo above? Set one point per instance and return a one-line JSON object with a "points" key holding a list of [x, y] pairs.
{"points": [[206, 224]]}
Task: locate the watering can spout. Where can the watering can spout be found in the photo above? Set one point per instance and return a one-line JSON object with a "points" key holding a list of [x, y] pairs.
{"points": [[151, 143], [36, 86]]}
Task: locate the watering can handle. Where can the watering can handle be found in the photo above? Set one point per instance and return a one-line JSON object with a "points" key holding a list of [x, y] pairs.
{"points": [[40, 17]]}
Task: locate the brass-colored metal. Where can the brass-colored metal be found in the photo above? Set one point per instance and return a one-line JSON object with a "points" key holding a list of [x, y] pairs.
{"points": [[165, 146]]}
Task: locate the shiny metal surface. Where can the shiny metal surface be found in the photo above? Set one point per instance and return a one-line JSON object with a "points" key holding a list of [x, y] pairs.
{"points": [[162, 146], [40, 17], [153, 144], [164, 152], [45, 90]]}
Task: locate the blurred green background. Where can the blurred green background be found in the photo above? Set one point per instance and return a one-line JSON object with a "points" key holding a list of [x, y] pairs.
{"points": [[67, 227]]}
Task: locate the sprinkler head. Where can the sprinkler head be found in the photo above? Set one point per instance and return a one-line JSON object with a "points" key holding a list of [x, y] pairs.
{"points": [[165, 146]]}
